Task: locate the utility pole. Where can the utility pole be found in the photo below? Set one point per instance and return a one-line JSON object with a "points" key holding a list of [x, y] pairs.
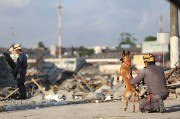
{"points": [[59, 6], [174, 35], [161, 24]]}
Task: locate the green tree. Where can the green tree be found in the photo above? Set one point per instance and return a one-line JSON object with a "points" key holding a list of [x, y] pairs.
{"points": [[150, 38], [72, 50], [41, 44], [127, 38], [89, 52], [84, 52]]}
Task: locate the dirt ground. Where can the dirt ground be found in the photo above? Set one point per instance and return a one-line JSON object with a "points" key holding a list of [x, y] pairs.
{"points": [[108, 110]]}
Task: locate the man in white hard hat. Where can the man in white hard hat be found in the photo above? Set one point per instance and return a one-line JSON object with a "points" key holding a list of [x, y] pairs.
{"points": [[20, 70]]}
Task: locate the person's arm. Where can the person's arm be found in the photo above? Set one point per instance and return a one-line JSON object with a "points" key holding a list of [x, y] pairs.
{"points": [[138, 78]]}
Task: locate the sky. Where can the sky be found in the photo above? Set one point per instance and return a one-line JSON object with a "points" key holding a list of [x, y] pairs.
{"points": [[84, 22]]}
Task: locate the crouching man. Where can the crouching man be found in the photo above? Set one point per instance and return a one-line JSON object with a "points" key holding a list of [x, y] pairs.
{"points": [[154, 79]]}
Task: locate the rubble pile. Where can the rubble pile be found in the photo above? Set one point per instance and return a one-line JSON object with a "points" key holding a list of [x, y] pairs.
{"points": [[5, 74], [86, 83], [173, 77], [88, 86]]}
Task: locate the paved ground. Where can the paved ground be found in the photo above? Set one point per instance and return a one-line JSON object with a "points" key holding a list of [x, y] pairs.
{"points": [[109, 110]]}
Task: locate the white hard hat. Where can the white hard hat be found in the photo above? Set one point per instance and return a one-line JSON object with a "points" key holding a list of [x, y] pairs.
{"points": [[17, 46]]}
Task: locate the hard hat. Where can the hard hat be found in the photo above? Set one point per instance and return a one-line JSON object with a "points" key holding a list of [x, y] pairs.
{"points": [[17, 47], [149, 58]]}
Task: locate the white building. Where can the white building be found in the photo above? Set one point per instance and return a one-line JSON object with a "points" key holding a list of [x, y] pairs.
{"points": [[154, 47], [98, 49], [64, 63], [52, 50]]}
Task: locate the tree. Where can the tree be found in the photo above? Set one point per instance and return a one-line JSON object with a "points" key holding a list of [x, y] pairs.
{"points": [[41, 44], [150, 38], [127, 38], [72, 50], [84, 52]]}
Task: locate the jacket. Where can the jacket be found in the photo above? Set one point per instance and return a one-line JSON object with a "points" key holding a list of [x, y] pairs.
{"points": [[154, 79], [21, 64]]}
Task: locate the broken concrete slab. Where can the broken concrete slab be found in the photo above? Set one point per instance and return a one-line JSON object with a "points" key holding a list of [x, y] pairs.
{"points": [[118, 86], [95, 96], [178, 92], [69, 84], [117, 95], [108, 98], [53, 97], [172, 96], [102, 88], [37, 99], [68, 96]]}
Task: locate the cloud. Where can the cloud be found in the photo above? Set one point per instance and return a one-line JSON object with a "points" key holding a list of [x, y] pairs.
{"points": [[144, 20], [148, 23], [14, 3], [84, 22]]}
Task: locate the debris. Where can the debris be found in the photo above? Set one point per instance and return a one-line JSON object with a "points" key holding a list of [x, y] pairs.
{"points": [[102, 89], [178, 92], [95, 96], [39, 87], [26, 83], [70, 84], [173, 77], [85, 83], [109, 98], [53, 98]]}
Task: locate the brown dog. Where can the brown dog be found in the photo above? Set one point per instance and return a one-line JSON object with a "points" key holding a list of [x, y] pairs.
{"points": [[130, 92]]}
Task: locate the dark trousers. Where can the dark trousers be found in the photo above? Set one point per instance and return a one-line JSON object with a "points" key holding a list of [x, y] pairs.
{"points": [[152, 104], [21, 86], [148, 105]]}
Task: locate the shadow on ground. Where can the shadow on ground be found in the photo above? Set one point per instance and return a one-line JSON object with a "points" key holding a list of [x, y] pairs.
{"points": [[174, 108]]}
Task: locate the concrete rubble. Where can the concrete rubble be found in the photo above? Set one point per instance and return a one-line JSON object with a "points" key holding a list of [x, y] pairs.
{"points": [[173, 78]]}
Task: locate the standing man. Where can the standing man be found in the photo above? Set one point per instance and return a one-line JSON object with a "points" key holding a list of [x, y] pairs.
{"points": [[154, 79], [20, 70]]}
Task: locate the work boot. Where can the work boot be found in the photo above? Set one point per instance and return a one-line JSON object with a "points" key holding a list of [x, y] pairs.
{"points": [[161, 106], [142, 110]]}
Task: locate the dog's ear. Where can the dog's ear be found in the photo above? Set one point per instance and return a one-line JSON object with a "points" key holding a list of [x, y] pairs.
{"points": [[121, 59], [128, 52], [123, 53]]}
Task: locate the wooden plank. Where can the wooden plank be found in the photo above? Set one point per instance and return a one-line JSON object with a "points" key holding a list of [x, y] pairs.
{"points": [[174, 85], [79, 84], [84, 80], [27, 82], [39, 87], [15, 90]]}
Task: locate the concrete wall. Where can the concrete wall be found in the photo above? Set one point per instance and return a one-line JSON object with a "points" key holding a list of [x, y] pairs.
{"points": [[110, 68], [138, 61], [63, 63], [102, 60], [154, 46]]}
